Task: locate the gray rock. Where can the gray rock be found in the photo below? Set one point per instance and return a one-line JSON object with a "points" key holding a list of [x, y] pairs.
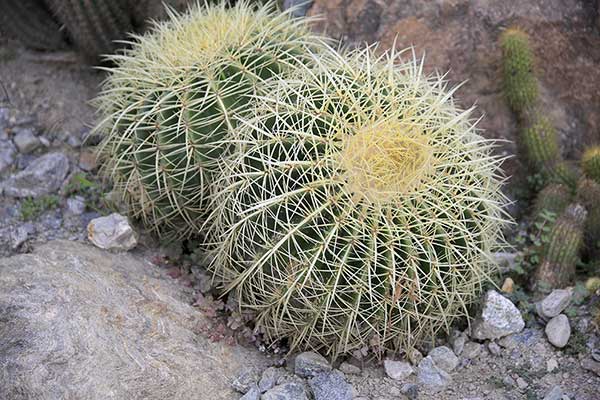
{"points": [[551, 365], [26, 141], [309, 364], [410, 390], [554, 303], [112, 232], [244, 381], [19, 236], [302, 6], [252, 394], [591, 365], [558, 330], [330, 386], [72, 315], [457, 341], [286, 391], [269, 378], [499, 317], [494, 348], [444, 358], [521, 383], [349, 369], [471, 350], [555, 393], [509, 382], [7, 155], [415, 356], [76, 205], [397, 370], [431, 376], [43, 176]]}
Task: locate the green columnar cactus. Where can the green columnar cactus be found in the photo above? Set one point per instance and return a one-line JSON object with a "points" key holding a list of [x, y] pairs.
{"points": [[94, 25], [171, 102], [362, 208], [541, 143], [562, 251], [520, 83], [31, 23], [588, 193], [553, 199], [590, 163]]}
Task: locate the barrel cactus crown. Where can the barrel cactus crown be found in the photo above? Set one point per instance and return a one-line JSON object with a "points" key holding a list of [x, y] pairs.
{"points": [[170, 102], [361, 209]]}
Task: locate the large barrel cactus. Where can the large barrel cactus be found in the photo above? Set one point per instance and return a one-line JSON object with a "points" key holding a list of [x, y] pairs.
{"points": [[171, 102], [362, 207]]}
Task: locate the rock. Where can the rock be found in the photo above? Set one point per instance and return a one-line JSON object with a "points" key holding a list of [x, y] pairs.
{"points": [[87, 160], [508, 286], [499, 317], [252, 394], [286, 391], [330, 386], [410, 390], [19, 236], [596, 354], [244, 381], [112, 233], [269, 378], [309, 364], [505, 260], [349, 369], [551, 365], [494, 349], [444, 358], [397, 370], [76, 205], [471, 350], [521, 384], [43, 176], [72, 315], [558, 330], [415, 356], [302, 6], [509, 382], [555, 393], [591, 365], [431, 376], [457, 341], [554, 303], [26, 141], [7, 155]]}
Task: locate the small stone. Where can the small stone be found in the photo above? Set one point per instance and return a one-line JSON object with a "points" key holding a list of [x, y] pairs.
{"points": [[269, 378], [551, 365], [591, 365], [112, 233], [26, 141], [415, 356], [521, 384], [349, 369], [555, 393], [76, 205], [508, 286], [252, 394], [244, 381], [494, 348], [309, 364], [330, 386], [43, 176], [558, 330], [444, 358], [596, 354], [7, 155], [431, 376], [554, 303], [508, 381], [301, 7], [87, 160], [19, 236], [410, 390], [471, 350], [397, 370], [457, 341], [286, 391], [499, 317]]}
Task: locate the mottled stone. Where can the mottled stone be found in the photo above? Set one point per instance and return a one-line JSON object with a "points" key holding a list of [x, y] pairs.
{"points": [[499, 317], [330, 386], [7, 155], [286, 391], [269, 378], [431, 376], [558, 330], [26, 141], [397, 370], [112, 232], [554, 303], [444, 358], [349, 369], [43, 176], [309, 364]]}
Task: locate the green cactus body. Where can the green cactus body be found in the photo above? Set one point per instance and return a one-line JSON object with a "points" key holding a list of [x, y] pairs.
{"points": [[588, 193], [362, 208], [170, 104], [590, 163], [541, 143], [520, 84], [561, 252], [553, 199], [31, 23]]}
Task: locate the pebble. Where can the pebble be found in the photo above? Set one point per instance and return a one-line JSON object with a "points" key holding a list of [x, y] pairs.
{"points": [[444, 358], [112, 232], [349, 369], [26, 141], [521, 384], [556, 393], [494, 348], [509, 382], [551, 365], [410, 390], [244, 381], [269, 378], [554, 303], [309, 364], [286, 391], [558, 331], [397, 370], [415, 356], [499, 317], [76, 205], [471, 350], [508, 286], [43, 176], [252, 394], [458, 341], [591, 365], [19, 236], [330, 386], [7, 155], [431, 376]]}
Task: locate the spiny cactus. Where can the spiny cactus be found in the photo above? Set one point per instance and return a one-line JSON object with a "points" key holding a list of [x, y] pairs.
{"points": [[561, 253], [520, 83], [30, 22], [362, 208], [170, 103], [588, 193], [553, 199], [541, 143], [590, 163]]}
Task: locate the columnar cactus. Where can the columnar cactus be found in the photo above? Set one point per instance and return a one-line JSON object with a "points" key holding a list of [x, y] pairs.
{"points": [[541, 143], [561, 252], [362, 208], [171, 102], [590, 162], [553, 199], [520, 83], [588, 193]]}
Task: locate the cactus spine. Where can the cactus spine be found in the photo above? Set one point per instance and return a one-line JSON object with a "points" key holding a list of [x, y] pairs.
{"points": [[363, 207], [171, 103], [590, 162]]}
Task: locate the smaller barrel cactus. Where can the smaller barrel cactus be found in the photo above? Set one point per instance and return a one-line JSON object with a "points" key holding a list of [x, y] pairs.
{"points": [[561, 253], [554, 198], [520, 83], [590, 163]]}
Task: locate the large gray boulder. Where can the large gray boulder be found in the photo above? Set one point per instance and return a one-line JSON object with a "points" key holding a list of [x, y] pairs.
{"points": [[78, 322]]}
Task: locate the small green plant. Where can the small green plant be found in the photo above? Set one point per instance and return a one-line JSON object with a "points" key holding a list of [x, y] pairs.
{"points": [[92, 192], [31, 208]]}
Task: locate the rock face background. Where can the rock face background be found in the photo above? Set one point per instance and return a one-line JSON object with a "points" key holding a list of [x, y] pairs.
{"points": [[80, 323], [461, 36]]}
